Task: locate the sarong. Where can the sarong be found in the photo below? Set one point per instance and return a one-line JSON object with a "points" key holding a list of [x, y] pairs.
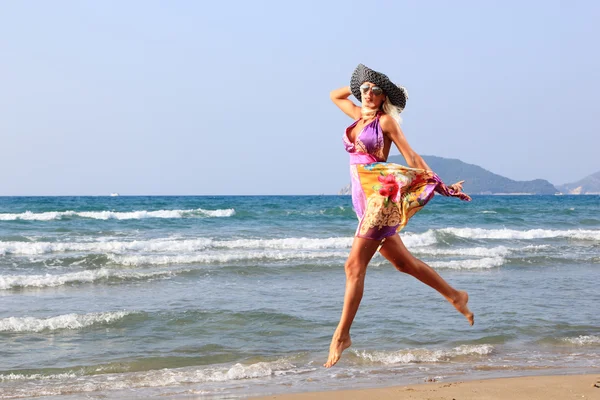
{"points": [[386, 195]]}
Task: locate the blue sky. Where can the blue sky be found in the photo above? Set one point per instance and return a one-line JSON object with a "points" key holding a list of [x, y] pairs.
{"points": [[232, 97]]}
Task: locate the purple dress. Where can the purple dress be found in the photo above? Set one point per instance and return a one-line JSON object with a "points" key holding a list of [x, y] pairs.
{"points": [[385, 195]]}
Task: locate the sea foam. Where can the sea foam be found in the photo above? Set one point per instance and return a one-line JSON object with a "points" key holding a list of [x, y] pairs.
{"points": [[583, 340], [67, 321], [71, 382], [480, 233], [423, 355], [119, 215], [219, 257], [35, 377], [34, 248], [499, 251], [48, 280], [480, 263], [194, 245]]}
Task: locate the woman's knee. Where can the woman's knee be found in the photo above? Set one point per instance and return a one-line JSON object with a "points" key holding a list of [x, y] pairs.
{"points": [[355, 270], [405, 265], [399, 266]]}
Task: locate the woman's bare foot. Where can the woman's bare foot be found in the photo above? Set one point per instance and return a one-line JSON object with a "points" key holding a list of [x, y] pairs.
{"points": [[338, 345], [460, 303]]}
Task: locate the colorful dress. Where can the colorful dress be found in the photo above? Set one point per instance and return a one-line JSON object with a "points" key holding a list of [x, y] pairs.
{"points": [[386, 195]]}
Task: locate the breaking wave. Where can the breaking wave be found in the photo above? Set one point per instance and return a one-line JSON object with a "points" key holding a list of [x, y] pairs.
{"points": [[480, 233], [171, 245], [416, 242], [70, 382], [583, 340], [423, 355], [120, 215], [48, 280], [138, 260], [480, 263], [193, 245], [67, 321]]}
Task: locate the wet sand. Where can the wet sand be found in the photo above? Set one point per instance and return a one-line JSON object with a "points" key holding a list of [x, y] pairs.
{"points": [[559, 387]]}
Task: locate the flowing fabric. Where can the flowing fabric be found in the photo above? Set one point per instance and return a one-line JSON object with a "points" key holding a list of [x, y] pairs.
{"points": [[386, 195]]}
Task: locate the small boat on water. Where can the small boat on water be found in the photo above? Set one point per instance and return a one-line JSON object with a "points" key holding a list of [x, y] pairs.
{"points": [[114, 194]]}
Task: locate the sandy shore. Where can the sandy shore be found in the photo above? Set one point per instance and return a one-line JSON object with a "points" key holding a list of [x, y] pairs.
{"points": [[560, 387]]}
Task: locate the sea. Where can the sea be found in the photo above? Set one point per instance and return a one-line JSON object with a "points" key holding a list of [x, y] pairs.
{"points": [[225, 297]]}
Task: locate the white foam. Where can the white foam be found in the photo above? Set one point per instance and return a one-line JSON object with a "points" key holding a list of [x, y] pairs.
{"points": [[412, 240], [288, 243], [487, 212], [35, 377], [219, 257], [481, 263], [105, 215], [33, 248], [240, 371], [172, 245], [583, 340], [71, 383], [204, 251], [423, 355], [479, 233], [499, 251], [67, 321], [535, 247], [15, 281]]}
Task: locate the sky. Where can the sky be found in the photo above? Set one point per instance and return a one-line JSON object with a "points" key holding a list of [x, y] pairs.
{"points": [[232, 97]]}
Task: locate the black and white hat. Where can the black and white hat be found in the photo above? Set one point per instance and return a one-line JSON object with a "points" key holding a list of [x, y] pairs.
{"points": [[397, 94]]}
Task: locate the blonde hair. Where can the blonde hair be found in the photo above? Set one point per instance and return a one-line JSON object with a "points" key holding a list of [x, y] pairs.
{"points": [[391, 110]]}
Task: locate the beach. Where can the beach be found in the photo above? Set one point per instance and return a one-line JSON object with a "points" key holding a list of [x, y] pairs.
{"points": [[231, 297], [562, 387]]}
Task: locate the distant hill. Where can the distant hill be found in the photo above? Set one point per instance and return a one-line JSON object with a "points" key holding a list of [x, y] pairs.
{"points": [[588, 185], [478, 180]]}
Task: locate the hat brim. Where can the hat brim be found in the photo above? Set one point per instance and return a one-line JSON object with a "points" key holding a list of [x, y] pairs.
{"points": [[362, 74]]}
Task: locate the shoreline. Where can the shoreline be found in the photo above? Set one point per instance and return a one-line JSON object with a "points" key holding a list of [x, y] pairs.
{"points": [[535, 387]]}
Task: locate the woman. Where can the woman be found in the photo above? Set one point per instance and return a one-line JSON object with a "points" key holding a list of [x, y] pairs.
{"points": [[384, 195]]}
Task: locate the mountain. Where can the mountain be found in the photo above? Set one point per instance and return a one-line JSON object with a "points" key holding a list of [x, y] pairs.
{"points": [[588, 185], [477, 180]]}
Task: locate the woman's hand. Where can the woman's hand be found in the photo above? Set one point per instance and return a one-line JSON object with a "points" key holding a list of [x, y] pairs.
{"points": [[340, 98], [457, 187]]}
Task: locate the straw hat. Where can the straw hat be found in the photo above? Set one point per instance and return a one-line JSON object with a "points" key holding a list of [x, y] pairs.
{"points": [[397, 94]]}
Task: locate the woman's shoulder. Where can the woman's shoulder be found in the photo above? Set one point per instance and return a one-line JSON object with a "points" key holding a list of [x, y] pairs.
{"points": [[386, 120], [389, 125]]}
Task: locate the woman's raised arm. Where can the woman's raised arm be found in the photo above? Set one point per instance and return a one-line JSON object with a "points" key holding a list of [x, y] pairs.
{"points": [[340, 98]]}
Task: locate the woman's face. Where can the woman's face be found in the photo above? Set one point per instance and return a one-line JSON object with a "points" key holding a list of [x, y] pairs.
{"points": [[372, 95]]}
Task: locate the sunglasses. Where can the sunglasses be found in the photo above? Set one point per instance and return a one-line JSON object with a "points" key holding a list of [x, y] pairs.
{"points": [[375, 89]]}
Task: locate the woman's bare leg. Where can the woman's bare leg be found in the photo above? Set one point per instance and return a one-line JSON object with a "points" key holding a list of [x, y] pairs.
{"points": [[356, 268], [394, 250]]}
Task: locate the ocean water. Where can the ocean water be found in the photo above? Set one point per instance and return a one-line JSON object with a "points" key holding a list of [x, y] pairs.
{"points": [[228, 297]]}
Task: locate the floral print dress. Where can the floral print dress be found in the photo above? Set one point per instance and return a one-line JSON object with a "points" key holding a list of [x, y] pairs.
{"points": [[386, 195]]}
